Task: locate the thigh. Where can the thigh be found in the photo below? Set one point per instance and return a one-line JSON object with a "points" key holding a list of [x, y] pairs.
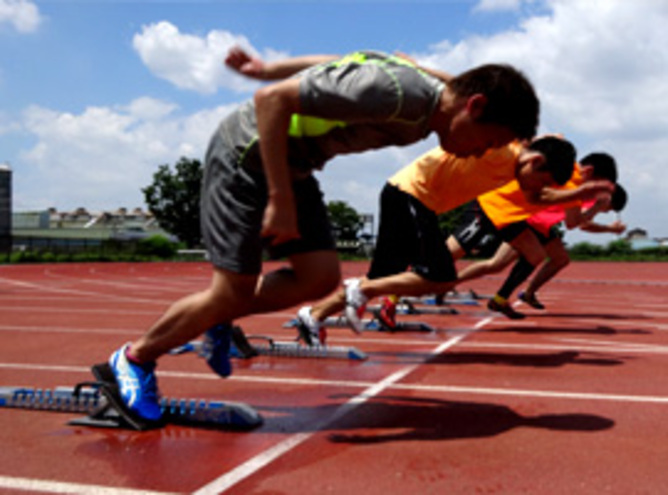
{"points": [[528, 246], [556, 250]]}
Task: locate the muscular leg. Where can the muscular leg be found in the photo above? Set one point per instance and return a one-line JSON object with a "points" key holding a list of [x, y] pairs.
{"points": [[229, 296], [559, 259], [311, 276], [532, 253], [403, 284], [503, 257]]}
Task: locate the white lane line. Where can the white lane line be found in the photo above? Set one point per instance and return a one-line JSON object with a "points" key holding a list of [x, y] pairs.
{"points": [[582, 346], [33, 485], [79, 293], [265, 458], [445, 389], [57, 330]]}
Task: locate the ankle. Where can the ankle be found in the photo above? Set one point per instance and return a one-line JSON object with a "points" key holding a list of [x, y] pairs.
{"points": [[500, 300]]}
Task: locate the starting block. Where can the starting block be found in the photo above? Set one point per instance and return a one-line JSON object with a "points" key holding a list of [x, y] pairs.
{"points": [[408, 307], [241, 347], [269, 347], [370, 324], [436, 300], [89, 398]]}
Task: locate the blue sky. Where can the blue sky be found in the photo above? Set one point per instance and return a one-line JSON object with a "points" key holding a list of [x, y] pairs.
{"points": [[95, 95]]}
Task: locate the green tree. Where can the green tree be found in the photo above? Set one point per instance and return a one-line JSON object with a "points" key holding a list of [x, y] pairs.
{"points": [[450, 220], [346, 222], [620, 247], [174, 198], [587, 250]]}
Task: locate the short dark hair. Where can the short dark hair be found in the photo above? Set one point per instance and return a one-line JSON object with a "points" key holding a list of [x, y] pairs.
{"points": [[511, 99], [603, 164], [559, 157], [619, 198]]}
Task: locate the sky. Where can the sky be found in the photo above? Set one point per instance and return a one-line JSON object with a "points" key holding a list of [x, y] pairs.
{"points": [[95, 95]]}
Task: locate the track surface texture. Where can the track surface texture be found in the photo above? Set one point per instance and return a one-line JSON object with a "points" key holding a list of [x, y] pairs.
{"points": [[570, 400]]}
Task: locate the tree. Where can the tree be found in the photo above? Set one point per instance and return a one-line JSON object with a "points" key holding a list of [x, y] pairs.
{"points": [[450, 220], [174, 199], [346, 222]]}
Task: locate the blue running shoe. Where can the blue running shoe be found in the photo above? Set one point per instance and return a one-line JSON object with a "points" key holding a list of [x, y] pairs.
{"points": [[216, 349], [137, 385]]}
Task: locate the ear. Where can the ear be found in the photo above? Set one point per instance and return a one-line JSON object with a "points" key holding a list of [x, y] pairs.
{"points": [[475, 105]]}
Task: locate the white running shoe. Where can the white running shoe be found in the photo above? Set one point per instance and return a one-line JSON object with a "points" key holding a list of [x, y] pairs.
{"points": [[310, 330], [355, 304]]}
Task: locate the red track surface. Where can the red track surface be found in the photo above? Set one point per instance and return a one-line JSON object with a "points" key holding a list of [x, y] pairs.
{"points": [[570, 400]]}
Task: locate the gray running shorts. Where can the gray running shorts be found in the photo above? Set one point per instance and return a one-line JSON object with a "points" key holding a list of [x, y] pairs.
{"points": [[232, 207]]}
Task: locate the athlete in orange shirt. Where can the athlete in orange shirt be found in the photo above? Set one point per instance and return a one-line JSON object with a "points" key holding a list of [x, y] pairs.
{"points": [[504, 213], [409, 235]]}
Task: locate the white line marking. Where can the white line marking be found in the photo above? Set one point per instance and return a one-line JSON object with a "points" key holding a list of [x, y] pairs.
{"points": [[33, 485], [55, 330], [368, 385], [261, 460], [583, 346]]}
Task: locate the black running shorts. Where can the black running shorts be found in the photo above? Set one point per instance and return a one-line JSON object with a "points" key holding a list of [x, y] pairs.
{"points": [[477, 233], [409, 236]]}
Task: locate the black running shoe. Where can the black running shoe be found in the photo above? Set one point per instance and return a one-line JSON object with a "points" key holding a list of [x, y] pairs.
{"points": [[530, 300], [506, 309]]}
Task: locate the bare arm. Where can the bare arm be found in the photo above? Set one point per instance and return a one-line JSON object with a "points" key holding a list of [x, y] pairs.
{"points": [[551, 196], [274, 106], [615, 227], [247, 65], [575, 217], [240, 61]]}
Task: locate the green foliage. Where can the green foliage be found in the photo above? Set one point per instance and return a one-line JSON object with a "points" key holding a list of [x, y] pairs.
{"points": [[346, 222], [174, 198], [587, 250], [619, 250], [450, 220], [157, 245], [619, 247]]}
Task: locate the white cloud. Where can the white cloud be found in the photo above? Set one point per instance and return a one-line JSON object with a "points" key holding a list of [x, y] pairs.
{"points": [[23, 15], [193, 62], [104, 156], [600, 68], [497, 5]]}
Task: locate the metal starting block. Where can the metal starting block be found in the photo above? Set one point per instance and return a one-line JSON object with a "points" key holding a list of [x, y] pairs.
{"points": [[407, 307], [270, 347], [436, 300], [88, 398], [370, 324]]}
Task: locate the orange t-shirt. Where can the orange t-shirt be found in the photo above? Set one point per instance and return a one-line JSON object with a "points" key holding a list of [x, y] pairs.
{"points": [[508, 204], [442, 181]]}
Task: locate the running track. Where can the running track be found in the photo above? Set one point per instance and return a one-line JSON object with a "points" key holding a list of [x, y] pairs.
{"points": [[571, 400]]}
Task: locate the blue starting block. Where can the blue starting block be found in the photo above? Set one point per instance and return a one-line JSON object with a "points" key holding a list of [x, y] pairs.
{"points": [[87, 398], [267, 346], [369, 324]]}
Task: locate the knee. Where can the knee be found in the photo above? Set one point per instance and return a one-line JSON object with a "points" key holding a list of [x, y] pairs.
{"points": [[534, 259], [562, 262]]}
